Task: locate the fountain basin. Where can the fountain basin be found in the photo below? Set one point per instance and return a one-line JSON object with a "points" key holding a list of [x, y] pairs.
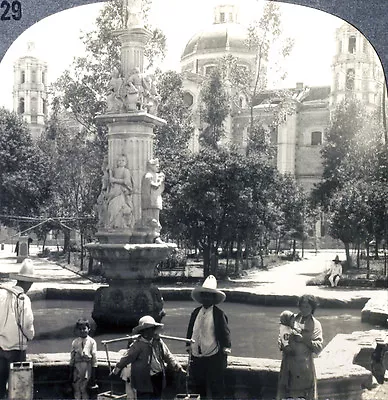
{"points": [[338, 375], [130, 261]]}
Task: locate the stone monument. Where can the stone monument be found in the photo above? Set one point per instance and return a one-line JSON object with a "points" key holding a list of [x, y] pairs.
{"points": [[129, 245]]}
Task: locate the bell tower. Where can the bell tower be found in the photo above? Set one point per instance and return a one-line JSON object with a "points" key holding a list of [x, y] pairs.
{"points": [[30, 90], [356, 69]]}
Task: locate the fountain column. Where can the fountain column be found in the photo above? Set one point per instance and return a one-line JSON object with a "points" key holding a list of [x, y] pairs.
{"points": [[129, 246]]}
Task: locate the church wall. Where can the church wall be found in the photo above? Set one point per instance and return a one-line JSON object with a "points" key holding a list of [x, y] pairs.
{"points": [[308, 162]]}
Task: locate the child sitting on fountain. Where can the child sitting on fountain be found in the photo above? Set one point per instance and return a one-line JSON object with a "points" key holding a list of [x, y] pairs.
{"points": [[287, 327], [83, 361], [148, 356]]}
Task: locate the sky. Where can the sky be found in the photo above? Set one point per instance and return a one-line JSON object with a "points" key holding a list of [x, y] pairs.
{"points": [[57, 38]]}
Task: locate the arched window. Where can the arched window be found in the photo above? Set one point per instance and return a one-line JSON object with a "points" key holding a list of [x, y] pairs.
{"points": [[33, 76], [316, 138], [43, 77], [34, 109], [44, 103], [352, 44], [350, 79], [188, 99], [22, 76], [21, 106]]}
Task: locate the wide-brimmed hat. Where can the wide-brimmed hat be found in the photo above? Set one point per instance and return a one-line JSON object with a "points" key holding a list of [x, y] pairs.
{"points": [[337, 260], [146, 322], [209, 286], [26, 272]]}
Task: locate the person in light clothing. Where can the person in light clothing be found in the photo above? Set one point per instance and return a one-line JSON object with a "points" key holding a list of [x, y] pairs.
{"points": [[297, 377], [335, 272], [83, 360], [16, 321], [209, 329]]}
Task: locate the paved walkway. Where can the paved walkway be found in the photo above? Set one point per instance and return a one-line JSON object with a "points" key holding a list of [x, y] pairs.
{"points": [[288, 279]]}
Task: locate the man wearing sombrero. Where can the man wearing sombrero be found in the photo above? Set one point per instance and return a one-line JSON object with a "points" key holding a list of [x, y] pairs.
{"points": [[16, 321], [148, 356], [335, 272], [208, 327]]}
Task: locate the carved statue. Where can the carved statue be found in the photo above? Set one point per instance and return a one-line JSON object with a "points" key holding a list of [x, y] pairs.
{"points": [[122, 94], [154, 98], [132, 14], [100, 207], [120, 205], [152, 188], [114, 101], [137, 79]]}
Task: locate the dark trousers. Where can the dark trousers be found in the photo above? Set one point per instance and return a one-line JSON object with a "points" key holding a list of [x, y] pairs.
{"points": [[6, 358], [207, 376], [157, 384]]}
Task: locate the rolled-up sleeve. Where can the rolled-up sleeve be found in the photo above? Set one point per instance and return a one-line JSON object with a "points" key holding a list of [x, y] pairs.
{"points": [[28, 319]]}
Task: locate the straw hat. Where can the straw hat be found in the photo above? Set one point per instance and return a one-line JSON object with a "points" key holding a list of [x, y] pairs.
{"points": [[146, 322], [209, 286], [337, 260], [26, 272]]}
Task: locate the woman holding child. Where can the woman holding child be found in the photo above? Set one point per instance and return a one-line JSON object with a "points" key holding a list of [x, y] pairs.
{"points": [[299, 341]]}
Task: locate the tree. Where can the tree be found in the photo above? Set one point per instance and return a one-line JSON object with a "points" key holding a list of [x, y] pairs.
{"points": [[266, 39], [348, 120], [75, 168], [214, 108], [173, 137], [221, 197], [24, 185]]}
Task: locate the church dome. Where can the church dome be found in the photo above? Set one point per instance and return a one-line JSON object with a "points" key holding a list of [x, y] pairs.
{"points": [[218, 38]]}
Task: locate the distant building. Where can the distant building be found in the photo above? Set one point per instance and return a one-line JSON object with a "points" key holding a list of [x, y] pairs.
{"points": [[356, 70], [30, 90]]}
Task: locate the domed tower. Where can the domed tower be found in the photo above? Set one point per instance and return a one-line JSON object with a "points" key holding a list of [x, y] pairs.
{"points": [[30, 90], [356, 69], [226, 36]]}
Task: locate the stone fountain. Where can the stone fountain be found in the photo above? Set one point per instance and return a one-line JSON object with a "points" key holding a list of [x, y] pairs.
{"points": [[129, 245]]}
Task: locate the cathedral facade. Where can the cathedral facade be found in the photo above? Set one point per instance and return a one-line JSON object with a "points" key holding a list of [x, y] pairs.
{"points": [[298, 139]]}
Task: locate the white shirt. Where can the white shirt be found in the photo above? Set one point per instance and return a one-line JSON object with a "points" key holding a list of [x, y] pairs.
{"points": [[284, 334], [84, 349], [15, 317], [204, 335]]}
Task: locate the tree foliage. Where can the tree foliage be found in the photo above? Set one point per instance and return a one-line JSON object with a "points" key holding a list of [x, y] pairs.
{"points": [[23, 168], [214, 108]]}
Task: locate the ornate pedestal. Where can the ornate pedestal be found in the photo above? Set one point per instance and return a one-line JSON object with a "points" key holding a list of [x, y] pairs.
{"points": [[130, 295]]}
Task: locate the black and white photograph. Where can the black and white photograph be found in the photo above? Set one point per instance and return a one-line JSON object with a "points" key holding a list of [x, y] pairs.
{"points": [[193, 200]]}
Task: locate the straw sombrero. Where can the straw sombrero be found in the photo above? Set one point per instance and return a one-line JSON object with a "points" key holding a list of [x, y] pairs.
{"points": [[337, 260], [146, 322], [26, 272], [209, 286]]}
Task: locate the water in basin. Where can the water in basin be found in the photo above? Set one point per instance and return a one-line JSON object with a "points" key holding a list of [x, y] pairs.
{"points": [[254, 328]]}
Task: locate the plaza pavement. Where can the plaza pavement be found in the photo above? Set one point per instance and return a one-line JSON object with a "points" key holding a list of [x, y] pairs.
{"points": [[286, 280]]}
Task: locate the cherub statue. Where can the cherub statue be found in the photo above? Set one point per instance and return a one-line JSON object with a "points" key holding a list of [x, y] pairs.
{"points": [[153, 97], [151, 194], [137, 79], [114, 100]]}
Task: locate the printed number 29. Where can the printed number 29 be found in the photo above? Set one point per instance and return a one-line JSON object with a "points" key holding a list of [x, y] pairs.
{"points": [[11, 9]]}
